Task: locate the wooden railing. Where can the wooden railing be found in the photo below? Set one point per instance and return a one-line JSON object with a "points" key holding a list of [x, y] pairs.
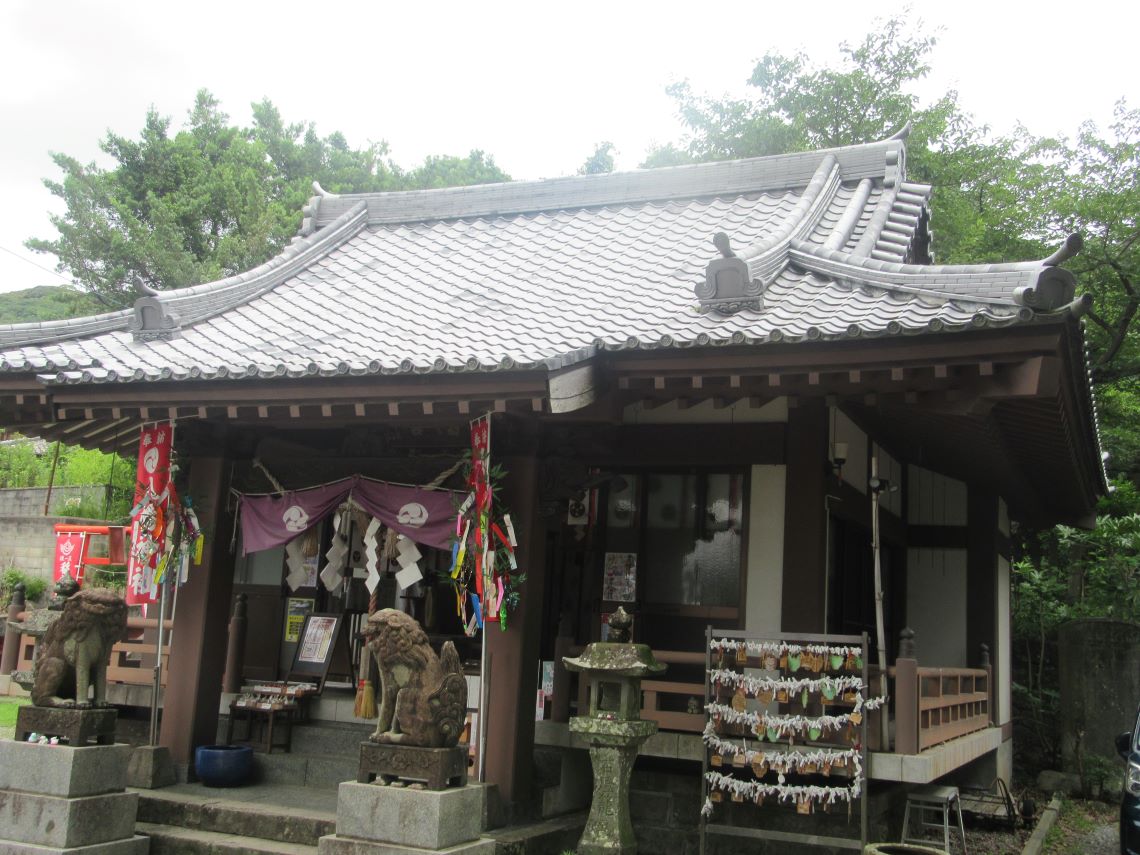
{"points": [[132, 660], [934, 705], [931, 705], [651, 690]]}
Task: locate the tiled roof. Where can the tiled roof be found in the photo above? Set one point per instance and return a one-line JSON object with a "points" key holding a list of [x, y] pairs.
{"points": [[534, 274]]}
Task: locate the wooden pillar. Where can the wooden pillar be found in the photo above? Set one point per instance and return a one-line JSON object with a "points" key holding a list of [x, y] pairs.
{"points": [[198, 640], [513, 655], [805, 529], [981, 573]]}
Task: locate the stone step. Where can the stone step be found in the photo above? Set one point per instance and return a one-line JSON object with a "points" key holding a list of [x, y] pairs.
{"points": [[172, 807], [548, 837], [329, 738], [305, 770], [176, 840]]}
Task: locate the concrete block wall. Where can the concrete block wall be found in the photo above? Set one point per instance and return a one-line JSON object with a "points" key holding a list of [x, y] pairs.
{"points": [[27, 543], [29, 501]]}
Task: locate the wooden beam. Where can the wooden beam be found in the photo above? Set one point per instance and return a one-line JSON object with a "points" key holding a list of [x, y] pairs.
{"points": [[326, 410], [294, 411], [263, 412], [428, 408], [358, 409], [393, 410]]}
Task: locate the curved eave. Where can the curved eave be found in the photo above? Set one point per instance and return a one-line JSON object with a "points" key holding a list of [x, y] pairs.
{"points": [[199, 302]]}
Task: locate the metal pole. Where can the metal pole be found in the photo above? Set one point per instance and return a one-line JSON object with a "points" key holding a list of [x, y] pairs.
{"points": [[51, 478], [157, 684], [484, 694]]}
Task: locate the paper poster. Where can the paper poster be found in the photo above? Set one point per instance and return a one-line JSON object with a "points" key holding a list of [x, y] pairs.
{"points": [[317, 640], [619, 584], [296, 609]]}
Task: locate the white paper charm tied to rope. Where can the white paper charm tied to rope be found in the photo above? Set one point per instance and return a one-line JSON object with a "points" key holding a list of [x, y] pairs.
{"points": [[407, 556], [372, 548], [295, 561]]}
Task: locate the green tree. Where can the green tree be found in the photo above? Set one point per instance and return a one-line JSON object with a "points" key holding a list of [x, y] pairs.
{"points": [[212, 199], [600, 162]]}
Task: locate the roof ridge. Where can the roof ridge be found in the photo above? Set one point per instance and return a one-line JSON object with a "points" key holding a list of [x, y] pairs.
{"points": [[882, 159]]}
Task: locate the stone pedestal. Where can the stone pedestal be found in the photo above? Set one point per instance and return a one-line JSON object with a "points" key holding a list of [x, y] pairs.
{"points": [[613, 750], [60, 798], [78, 726], [151, 767], [437, 768], [374, 819]]}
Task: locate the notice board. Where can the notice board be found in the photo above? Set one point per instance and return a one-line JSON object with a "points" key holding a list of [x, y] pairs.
{"points": [[321, 640]]}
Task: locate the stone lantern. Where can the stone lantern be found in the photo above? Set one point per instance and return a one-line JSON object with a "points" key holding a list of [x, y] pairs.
{"points": [[614, 730]]}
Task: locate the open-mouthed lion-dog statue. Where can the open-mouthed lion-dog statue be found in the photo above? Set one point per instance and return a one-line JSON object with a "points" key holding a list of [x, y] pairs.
{"points": [[73, 654], [423, 698]]}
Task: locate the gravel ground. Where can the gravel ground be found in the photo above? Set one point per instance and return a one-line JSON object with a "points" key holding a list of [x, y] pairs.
{"points": [[1085, 828]]}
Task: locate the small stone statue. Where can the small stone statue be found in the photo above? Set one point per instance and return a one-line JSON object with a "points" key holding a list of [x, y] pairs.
{"points": [[621, 626], [64, 589], [74, 652], [423, 698]]}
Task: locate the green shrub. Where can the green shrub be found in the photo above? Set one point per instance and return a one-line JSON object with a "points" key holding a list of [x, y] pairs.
{"points": [[34, 586]]}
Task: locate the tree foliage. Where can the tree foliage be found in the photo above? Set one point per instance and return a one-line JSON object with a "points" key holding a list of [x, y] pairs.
{"points": [[600, 162], [45, 303], [212, 199]]}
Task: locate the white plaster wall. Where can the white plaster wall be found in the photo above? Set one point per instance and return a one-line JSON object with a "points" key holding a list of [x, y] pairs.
{"points": [[936, 605], [765, 563], [844, 430], [705, 412], [934, 499], [1004, 700]]}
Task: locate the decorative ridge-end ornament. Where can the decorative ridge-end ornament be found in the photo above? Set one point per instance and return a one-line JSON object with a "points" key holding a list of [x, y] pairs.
{"points": [[728, 287], [1054, 287], [151, 321]]}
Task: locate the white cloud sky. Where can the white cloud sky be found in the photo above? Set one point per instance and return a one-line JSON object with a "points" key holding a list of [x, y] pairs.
{"points": [[534, 84]]}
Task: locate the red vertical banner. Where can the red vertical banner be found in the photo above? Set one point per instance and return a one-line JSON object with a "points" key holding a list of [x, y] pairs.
{"points": [[148, 519], [481, 487], [70, 549]]}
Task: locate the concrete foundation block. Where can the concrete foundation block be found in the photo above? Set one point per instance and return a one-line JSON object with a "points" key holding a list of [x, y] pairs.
{"points": [[333, 844], [63, 770], [150, 767], [67, 822], [137, 845], [424, 819]]}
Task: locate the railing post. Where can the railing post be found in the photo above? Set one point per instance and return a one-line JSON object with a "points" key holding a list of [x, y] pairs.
{"points": [[235, 648], [11, 634], [906, 695], [989, 669], [560, 695]]}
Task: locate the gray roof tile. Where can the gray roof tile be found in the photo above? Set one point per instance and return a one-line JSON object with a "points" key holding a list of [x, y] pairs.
{"points": [[464, 282]]}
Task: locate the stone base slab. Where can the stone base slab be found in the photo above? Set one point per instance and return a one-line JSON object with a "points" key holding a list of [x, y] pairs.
{"points": [[137, 845], [150, 767], [333, 844], [76, 725], [62, 823], [423, 819], [438, 768], [63, 770]]}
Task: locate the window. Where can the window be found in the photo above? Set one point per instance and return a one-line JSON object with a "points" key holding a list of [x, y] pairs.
{"points": [[686, 529]]}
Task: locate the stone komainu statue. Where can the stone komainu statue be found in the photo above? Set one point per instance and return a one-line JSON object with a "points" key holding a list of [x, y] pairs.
{"points": [[423, 698], [73, 654]]}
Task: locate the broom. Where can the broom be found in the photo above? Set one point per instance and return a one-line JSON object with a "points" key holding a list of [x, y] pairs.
{"points": [[365, 706]]}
